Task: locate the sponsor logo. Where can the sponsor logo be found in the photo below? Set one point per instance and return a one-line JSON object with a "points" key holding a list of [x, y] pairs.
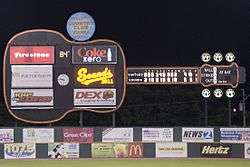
{"points": [[248, 150], [157, 134], [104, 77], [94, 97], [235, 135], [28, 97], [19, 151], [32, 55], [171, 149], [31, 97], [94, 54], [63, 79], [135, 150], [216, 150], [6, 135], [198, 134], [84, 135]]}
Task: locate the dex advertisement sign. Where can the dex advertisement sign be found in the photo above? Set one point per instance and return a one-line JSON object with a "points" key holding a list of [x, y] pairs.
{"points": [[109, 150], [31, 76], [197, 135], [117, 135], [63, 150], [235, 135], [19, 151], [94, 54], [78, 135], [6, 135], [216, 150], [38, 135], [171, 149], [94, 97], [32, 97], [32, 55], [157, 134]]}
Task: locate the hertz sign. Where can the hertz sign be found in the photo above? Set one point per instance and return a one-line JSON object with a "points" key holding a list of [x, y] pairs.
{"points": [[47, 76], [216, 150]]}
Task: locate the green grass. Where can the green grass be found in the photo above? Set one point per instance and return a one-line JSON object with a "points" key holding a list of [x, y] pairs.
{"points": [[127, 163]]}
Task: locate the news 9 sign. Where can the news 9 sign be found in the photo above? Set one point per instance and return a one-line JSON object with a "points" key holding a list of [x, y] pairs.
{"points": [[47, 76]]}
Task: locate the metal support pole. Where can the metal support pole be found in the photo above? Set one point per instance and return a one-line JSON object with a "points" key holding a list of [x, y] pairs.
{"points": [[113, 119], [244, 115], [206, 114], [80, 119], [229, 112]]}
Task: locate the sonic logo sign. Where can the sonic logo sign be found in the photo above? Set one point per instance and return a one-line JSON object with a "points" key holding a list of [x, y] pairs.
{"points": [[94, 54], [104, 77], [135, 150], [197, 135], [19, 151]]}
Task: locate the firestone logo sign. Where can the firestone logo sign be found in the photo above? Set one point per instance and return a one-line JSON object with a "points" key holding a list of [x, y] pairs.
{"points": [[32, 55], [94, 54]]}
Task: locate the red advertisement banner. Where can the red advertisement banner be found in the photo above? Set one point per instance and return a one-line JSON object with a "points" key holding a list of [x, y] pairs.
{"points": [[135, 150], [78, 135], [32, 55]]}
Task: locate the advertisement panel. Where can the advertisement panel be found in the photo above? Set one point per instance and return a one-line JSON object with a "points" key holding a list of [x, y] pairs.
{"points": [[32, 55], [94, 54], [109, 150], [171, 149], [19, 151], [230, 135], [117, 135], [32, 97], [197, 135], [95, 97], [247, 150], [6, 135], [157, 134], [38, 135], [31, 76], [98, 75], [78, 135], [215, 150], [135, 150], [63, 150]]}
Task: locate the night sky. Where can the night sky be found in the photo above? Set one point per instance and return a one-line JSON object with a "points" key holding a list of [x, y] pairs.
{"points": [[163, 32]]}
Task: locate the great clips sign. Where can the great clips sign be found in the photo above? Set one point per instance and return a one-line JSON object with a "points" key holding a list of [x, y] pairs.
{"points": [[79, 76]]}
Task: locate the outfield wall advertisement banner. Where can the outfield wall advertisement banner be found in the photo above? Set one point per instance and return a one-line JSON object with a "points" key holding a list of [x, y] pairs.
{"points": [[117, 135], [78, 135], [19, 151], [63, 150], [215, 150], [6, 135], [135, 150], [197, 135], [109, 150], [157, 134], [247, 150], [235, 135], [38, 135], [171, 150]]}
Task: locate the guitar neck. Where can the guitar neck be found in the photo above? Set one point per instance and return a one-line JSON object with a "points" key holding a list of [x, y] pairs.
{"points": [[206, 75]]}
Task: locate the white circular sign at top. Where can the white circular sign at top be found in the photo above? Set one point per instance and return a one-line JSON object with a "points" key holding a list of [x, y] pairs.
{"points": [[80, 26]]}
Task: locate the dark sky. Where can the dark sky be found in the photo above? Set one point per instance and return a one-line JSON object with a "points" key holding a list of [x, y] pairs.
{"points": [[158, 32]]}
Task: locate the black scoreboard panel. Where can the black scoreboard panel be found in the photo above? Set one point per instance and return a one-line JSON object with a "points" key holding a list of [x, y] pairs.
{"points": [[46, 76]]}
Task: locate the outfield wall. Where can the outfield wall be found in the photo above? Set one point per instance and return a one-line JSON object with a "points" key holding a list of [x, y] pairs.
{"points": [[103, 142]]}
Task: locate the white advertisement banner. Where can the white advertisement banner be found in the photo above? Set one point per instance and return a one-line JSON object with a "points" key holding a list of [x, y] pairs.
{"points": [[117, 135], [31, 76], [94, 97], [197, 135], [247, 150], [6, 135], [63, 150], [157, 134], [237, 135], [19, 151], [32, 97], [38, 135], [171, 150]]}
